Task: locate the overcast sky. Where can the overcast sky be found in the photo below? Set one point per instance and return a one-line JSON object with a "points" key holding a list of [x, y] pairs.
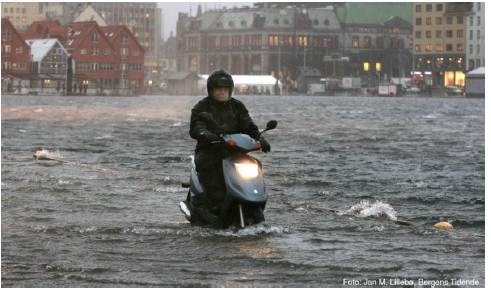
{"points": [[170, 11]]}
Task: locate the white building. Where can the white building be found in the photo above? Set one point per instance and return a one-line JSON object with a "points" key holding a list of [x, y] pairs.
{"points": [[475, 37]]}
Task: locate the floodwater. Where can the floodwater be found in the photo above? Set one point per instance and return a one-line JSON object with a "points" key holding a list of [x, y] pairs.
{"points": [[108, 217]]}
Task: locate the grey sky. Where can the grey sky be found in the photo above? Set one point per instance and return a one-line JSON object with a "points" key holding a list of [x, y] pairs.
{"points": [[170, 11]]}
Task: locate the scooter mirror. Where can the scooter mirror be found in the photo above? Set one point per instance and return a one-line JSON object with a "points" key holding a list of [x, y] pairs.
{"points": [[271, 125]]}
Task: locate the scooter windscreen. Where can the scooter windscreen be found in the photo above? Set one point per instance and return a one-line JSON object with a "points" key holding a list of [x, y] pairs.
{"points": [[242, 141], [244, 179]]}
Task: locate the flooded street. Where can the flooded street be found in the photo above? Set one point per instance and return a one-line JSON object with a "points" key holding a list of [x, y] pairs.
{"points": [[110, 218]]}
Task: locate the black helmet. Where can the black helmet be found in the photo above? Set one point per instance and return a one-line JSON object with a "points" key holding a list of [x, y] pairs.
{"points": [[219, 78]]}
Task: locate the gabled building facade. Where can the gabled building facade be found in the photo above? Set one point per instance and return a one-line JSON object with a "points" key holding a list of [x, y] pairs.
{"points": [[95, 59], [130, 56], [15, 57], [49, 65]]}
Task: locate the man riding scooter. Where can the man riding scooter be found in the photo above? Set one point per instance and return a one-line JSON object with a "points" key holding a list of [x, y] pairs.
{"points": [[229, 116]]}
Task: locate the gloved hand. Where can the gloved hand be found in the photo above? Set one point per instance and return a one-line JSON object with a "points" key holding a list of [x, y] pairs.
{"points": [[209, 136], [265, 147]]}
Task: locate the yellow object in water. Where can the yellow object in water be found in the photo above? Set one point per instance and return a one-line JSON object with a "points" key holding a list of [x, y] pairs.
{"points": [[443, 225]]}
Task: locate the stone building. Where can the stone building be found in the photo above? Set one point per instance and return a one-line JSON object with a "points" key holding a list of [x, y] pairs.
{"points": [[21, 14], [282, 38], [475, 37], [440, 41]]}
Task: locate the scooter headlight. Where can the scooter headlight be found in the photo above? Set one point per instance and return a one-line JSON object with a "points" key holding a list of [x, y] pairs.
{"points": [[247, 170]]}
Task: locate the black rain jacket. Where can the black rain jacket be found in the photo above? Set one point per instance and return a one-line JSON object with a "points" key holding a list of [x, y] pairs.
{"points": [[231, 117]]}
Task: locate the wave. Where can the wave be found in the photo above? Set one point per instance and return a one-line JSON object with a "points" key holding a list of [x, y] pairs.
{"points": [[366, 209]]}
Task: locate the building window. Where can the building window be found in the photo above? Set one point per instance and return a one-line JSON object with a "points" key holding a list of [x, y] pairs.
{"points": [[428, 20], [428, 34], [471, 49], [429, 7], [449, 34], [429, 47], [326, 22], [438, 34], [471, 20], [439, 7], [478, 6], [95, 37], [94, 52], [136, 53], [438, 20], [417, 48], [478, 49], [478, 62], [5, 10], [418, 8], [449, 20], [478, 36], [302, 41], [449, 48], [418, 21], [460, 20], [417, 34], [23, 10], [124, 51], [19, 50], [367, 42], [83, 52], [355, 42], [460, 33], [6, 34], [478, 20], [460, 47], [438, 48], [124, 39], [106, 52], [471, 34], [94, 66]]}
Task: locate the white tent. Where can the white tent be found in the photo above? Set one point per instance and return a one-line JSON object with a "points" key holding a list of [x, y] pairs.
{"points": [[475, 83], [249, 84]]}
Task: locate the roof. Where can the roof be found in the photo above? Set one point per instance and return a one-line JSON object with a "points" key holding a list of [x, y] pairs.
{"points": [[250, 79], [477, 72], [112, 31], [374, 13], [41, 47], [178, 75], [45, 29], [78, 31]]}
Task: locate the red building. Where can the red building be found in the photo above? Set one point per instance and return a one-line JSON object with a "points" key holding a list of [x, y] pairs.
{"points": [[130, 56], [15, 57], [95, 60]]}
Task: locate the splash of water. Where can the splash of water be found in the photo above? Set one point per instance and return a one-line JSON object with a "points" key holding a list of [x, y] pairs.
{"points": [[44, 154], [254, 230], [367, 209]]}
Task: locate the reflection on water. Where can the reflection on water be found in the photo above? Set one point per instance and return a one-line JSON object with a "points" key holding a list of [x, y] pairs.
{"points": [[341, 170]]}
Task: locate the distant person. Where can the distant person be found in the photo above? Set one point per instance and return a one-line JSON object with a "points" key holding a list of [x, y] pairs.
{"points": [[229, 116]]}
